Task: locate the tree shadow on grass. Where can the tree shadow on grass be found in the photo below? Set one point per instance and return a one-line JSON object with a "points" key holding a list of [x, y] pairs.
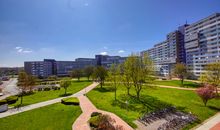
{"points": [[214, 108], [144, 105], [105, 89], [64, 95], [191, 85]]}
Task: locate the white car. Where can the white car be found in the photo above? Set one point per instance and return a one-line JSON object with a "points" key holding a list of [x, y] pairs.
{"points": [[1, 94]]}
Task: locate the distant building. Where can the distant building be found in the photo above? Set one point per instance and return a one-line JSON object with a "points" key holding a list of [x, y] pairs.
{"points": [[50, 67], [202, 43], [169, 52], [106, 60]]}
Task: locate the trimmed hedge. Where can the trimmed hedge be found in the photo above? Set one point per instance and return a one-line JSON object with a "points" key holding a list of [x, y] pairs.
{"points": [[3, 102], [70, 101], [94, 121], [95, 114], [12, 99]]}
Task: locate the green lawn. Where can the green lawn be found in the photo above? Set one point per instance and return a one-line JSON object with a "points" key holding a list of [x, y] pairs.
{"points": [[177, 83], [151, 99], [52, 117], [48, 95]]}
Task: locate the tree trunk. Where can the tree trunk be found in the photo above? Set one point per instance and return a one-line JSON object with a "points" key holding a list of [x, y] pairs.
{"points": [[182, 82], [138, 95], [115, 93], [128, 91], [65, 91], [101, 84], [21, 98]]}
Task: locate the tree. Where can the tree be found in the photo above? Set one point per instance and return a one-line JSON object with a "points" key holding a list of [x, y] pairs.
{"points": [[100, 73], [77, 73], [65, 84], [206, 93], [180, 71], [88, 71], [114, 74], [31, 81], [213, 75], [22, 84], [126, 75], [140, 71]]}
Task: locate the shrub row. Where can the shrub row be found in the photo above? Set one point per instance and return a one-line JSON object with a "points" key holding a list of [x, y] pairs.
{"points": [[9, 100], [48, 88], [70, 101]]}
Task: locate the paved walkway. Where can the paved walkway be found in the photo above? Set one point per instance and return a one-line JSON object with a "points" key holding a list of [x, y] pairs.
{"points": [[212, 123], [9, 88], [87, 107], [46, 103], [181, 88]]}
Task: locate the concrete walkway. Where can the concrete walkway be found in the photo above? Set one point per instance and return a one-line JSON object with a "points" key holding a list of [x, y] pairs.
{"points": [[212, 123], [9, 88], [181, 88], [46, 103], [87, 107]]}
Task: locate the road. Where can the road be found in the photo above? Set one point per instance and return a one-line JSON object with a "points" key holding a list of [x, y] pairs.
{"points": [[9, 88]]}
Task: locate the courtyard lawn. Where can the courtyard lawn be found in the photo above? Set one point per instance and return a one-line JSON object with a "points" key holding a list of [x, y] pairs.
{"points": [[52, 94], [52, 117], [177, 83], [151, 99]]}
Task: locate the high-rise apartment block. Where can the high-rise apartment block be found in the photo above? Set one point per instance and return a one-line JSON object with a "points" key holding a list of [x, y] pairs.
{"points": [[169, 52], [196, 45], [202, 43]]}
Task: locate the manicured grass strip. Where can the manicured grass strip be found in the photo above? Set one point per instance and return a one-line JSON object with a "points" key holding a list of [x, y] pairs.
{"points": [[52, 94], [52, 117], [151, 99], [177, 83]]}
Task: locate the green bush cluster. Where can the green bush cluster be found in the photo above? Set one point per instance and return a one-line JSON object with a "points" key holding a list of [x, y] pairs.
{"points": [[11, 99], [2, 102], [70, 101], [94, 121]]}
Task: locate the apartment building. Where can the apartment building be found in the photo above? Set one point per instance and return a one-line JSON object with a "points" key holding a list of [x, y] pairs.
{"points": [[202, 43], [169, 52], [50, 67], [106, 60]]}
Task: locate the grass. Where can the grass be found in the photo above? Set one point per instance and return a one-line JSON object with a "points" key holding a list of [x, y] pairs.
{"points": [[52, 117], [177, 83], [52, 94], [151, 99]]}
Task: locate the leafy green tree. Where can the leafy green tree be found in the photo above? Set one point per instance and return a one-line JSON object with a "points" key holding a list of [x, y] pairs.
{"points": [[65, 84], [213, 74], [126, 73], [100, 73], [88, 71], [22, 84], [31, 81], [77, 73], [140, 71], [114, 74], [180, 71]]}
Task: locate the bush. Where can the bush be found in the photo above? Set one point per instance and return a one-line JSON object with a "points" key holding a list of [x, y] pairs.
{"points": [[70, 101], [12, 99], [46, 89], [94, 121], [206, 93], [2, 102], [39, 89], [95, 114]]}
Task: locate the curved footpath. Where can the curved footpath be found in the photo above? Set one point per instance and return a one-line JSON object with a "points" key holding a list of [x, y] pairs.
{"points": [[45, 103], [88, 108]]}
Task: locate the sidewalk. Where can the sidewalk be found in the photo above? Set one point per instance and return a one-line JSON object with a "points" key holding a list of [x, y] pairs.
{"points": [[87, 107], [212, 123], [46, 103]]}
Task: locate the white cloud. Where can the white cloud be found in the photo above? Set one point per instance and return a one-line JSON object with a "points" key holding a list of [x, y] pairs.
{"points": [[121, 51], [104, 53], [23, 50]]}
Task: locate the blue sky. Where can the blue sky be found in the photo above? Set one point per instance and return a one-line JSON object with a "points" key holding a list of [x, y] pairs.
{"points": [[68, 29]]}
